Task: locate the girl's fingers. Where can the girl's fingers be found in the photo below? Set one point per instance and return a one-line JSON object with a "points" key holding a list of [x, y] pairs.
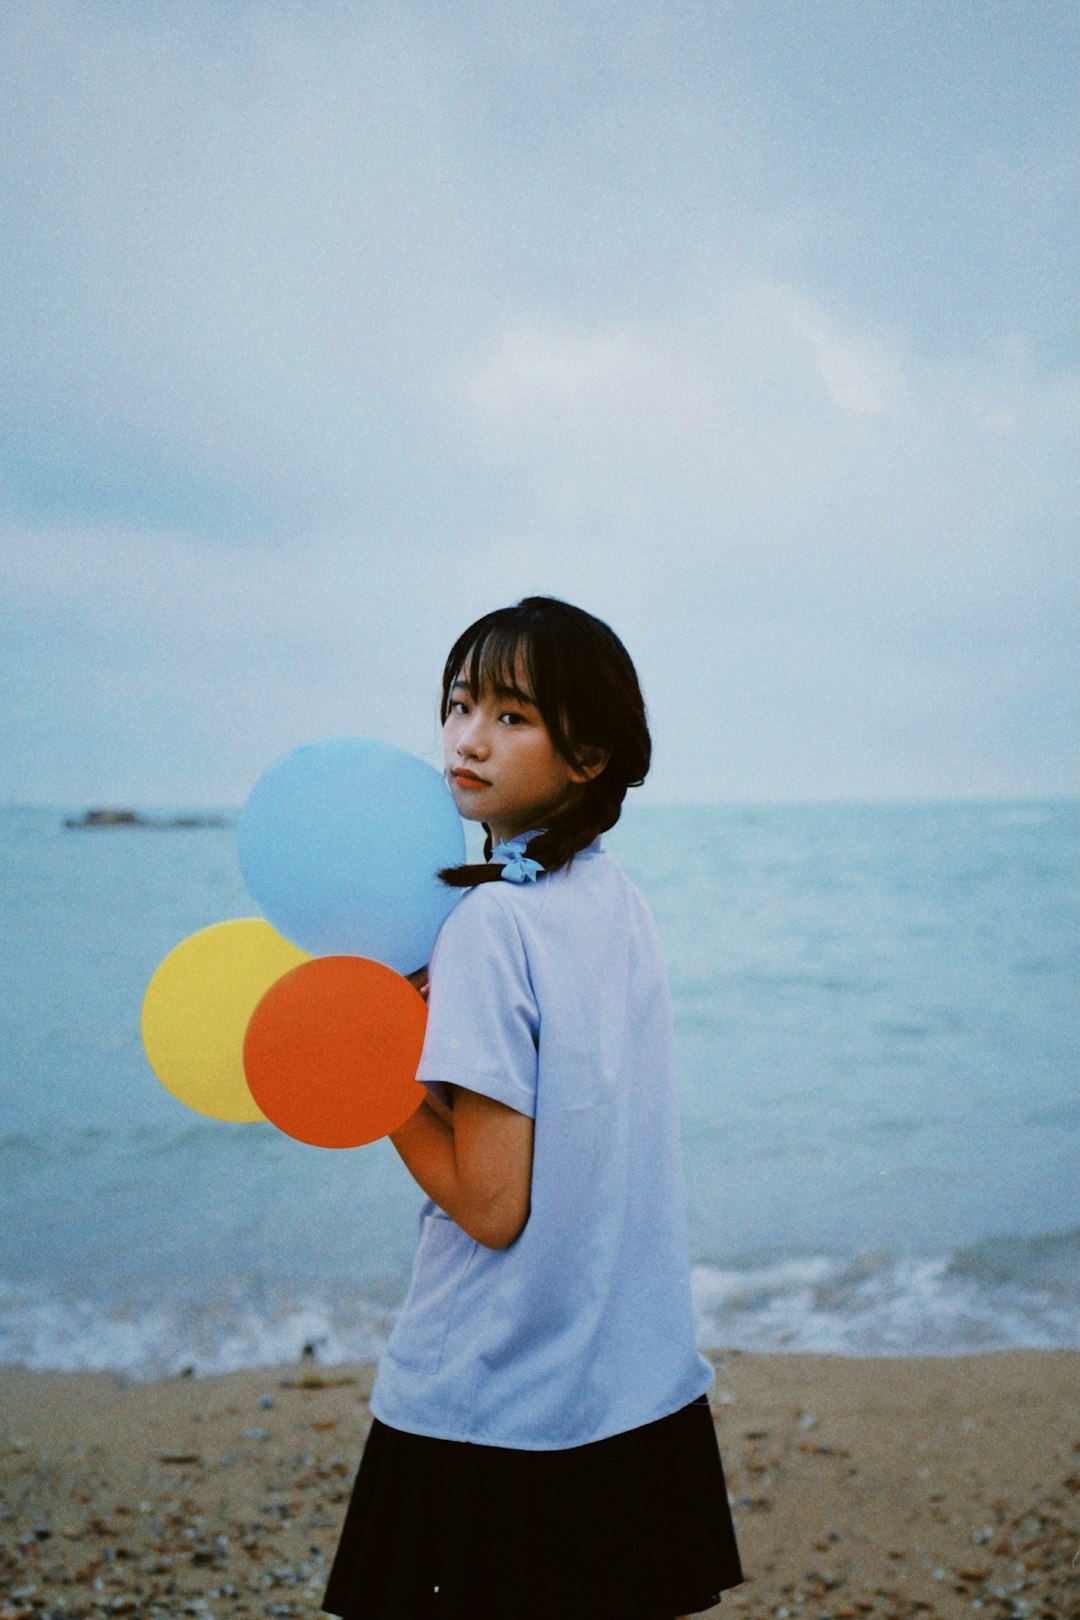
{"points": [[419, 980]]}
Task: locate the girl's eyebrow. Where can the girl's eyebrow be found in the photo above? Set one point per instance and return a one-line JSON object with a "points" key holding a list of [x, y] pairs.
{"points": [[503, 692], [515, 695]]}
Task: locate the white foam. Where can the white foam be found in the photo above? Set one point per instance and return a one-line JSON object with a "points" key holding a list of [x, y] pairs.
{"points": [[159, 1341], [875, 1305]]}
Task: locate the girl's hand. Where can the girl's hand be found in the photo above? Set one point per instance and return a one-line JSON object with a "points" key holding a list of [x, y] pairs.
{"points": [[419, 981]]}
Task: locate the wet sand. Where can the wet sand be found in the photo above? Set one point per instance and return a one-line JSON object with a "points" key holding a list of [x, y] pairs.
{"points": [[923, 1487]]}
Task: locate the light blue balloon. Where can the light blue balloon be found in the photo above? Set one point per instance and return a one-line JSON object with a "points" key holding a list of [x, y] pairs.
{"points": [[340, 844]]}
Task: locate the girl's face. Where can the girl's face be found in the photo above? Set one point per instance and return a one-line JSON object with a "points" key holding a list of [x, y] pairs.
{"points": [[501, 763]]}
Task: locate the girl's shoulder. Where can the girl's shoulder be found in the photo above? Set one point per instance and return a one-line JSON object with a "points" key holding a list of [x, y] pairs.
{"points": [[558, 927], [589, 871], [486, 911], [592, 879]]}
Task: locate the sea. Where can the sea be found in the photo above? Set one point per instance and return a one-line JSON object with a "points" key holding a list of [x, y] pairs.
{"points": [[876, 1016]]}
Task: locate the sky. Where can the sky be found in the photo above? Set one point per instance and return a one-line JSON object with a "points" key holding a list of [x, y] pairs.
{"points": [[748, 325]]}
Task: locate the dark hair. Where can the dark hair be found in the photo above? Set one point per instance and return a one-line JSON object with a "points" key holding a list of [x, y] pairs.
{"points": [[586, 689]]}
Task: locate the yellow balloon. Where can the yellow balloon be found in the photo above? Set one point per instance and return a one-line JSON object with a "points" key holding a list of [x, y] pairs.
{"points": [[196, 1010]]}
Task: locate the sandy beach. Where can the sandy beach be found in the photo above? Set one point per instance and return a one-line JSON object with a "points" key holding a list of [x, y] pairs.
{"points": [[923, 1487]]}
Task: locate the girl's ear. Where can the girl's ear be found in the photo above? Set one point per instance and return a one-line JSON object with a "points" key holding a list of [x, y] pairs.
{"points": [[591, 761]]}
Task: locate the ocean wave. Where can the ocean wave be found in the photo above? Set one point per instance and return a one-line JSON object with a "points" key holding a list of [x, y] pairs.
{"points": [[1004, 1293], [883, 1304], [222, 1334]]}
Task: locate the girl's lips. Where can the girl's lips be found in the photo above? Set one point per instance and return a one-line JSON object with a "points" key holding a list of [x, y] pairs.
{"points": [[468, 779]]}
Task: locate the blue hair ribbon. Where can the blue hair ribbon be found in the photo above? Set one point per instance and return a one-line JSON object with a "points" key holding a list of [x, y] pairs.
{"points": [[517, 867]]}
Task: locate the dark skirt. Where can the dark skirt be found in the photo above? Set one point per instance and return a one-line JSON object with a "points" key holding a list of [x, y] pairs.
{"points": [[636, 1527]]}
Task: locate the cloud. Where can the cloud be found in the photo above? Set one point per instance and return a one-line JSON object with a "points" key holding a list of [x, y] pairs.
{"points": [[758, 413], [861, 376], [862, 555], [234, 248], [328, 328]]}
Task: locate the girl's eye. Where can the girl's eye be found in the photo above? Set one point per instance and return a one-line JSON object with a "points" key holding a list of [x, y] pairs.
{"points": [[458, 706], [511, 718]]}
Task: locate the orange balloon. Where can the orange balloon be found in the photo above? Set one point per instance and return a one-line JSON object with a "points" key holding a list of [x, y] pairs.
{"points": [[331, 1051]]}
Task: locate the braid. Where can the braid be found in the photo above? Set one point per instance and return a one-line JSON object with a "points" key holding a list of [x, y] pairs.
{"points": [[467, 877], [597, 809]]}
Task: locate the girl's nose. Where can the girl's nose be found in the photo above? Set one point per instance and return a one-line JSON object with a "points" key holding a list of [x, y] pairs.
{"points": [[472, 743]]}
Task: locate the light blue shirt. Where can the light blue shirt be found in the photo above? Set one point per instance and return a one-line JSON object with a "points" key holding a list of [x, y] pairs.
{"points": [[552, 997]]}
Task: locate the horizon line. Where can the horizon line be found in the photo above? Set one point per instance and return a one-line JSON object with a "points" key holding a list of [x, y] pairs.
{"points": [[230, 807]]}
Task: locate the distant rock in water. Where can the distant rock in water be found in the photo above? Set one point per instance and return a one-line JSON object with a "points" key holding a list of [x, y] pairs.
{"points": [[132, 818]]}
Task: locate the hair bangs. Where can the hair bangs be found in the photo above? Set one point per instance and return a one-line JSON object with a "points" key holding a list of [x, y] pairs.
{"points": [[500, 660]]}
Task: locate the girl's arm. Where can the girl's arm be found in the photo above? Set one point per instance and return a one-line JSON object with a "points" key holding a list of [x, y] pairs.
{"points": [[444, 1110], [475, 1163]]}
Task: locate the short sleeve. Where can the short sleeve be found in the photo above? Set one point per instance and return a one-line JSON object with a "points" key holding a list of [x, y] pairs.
{"points": [[483, 1022]]}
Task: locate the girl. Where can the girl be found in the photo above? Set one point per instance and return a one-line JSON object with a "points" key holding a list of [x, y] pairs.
{"points": [[542, 1446]]}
